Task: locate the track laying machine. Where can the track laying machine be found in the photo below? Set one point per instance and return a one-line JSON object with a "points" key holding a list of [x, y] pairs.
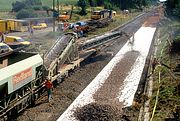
{"points": [[22, 74]]}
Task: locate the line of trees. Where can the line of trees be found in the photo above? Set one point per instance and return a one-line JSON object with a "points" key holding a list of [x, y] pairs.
{"points": [[26, 4], [26, 8], [123, 4], [115, 4]]}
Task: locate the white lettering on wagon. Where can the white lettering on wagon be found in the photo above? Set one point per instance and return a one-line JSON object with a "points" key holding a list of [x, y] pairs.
{"points": [[21, 76]]}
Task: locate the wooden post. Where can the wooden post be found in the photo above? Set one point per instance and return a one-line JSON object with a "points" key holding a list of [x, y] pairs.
{"points": [[54, 16], [58, 9]]}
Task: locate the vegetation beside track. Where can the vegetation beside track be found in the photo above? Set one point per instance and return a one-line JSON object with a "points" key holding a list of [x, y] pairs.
{"points": [[118, 20], [167, 76]]}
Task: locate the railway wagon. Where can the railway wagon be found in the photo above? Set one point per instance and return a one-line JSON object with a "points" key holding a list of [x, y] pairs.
{"points": [[16, 42], [17, 25], [19, 80], [22, 74], [3, 26], [11, 25]]}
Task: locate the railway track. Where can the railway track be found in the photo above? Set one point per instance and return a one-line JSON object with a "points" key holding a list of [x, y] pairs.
{"points": [[116, 84], [69, 89]]}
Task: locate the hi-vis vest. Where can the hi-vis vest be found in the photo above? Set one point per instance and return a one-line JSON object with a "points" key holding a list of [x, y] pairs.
{"points": [[48, 84]]}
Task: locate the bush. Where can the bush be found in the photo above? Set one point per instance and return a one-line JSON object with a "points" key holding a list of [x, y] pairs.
{"points": [[176, 11], [177, 39], [45, 7], [26, 4], [176, 45], [110, 6], [17, 6], [107, 5], [37, 7], [26, 13], [33, 2], [77, 18], [83, 4]]}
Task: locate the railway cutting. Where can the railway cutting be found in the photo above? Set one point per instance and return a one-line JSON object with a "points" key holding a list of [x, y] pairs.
{"points": [[71, 65]]}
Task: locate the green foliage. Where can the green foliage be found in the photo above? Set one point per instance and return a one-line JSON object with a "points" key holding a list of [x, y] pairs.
{"points": [[77, 18], [83, 4], [176, 10], [26, 13], [167, 98], [100, 2], [7, 4], [173, 7], [17, 6], [33, 2], [122, 4], [172, 3], [92, 3], [177, 39], [169, 95], [25, 8], [108, 5], [26, 4], [45, 7], [37, 7], [175, 45]]}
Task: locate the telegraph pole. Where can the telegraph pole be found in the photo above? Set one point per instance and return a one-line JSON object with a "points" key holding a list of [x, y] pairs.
{"points": [[58, 9], [54, 16]]}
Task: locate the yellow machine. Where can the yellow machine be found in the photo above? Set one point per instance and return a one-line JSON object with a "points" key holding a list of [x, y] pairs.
{"points": [[13, 25], [64, 16], [4, 51], [17, 25], [96, 15], [16, 42], [3, 26], [40, 26]]}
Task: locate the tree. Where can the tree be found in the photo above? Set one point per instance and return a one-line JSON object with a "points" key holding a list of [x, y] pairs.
{"points": [[91, 3], [17, 6], [83, 4], [27, 4], [45, 7], [172, 3], [174, 7], [100, 2], [122, 4], [26, 13], [176, 11], [33, 2]]}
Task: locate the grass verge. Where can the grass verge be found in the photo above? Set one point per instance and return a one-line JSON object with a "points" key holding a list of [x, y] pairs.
{"points": [[169, 96], [118, 20]]}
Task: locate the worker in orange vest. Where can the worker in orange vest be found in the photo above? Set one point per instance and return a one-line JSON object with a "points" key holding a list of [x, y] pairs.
{"points": [[49, 87]]}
